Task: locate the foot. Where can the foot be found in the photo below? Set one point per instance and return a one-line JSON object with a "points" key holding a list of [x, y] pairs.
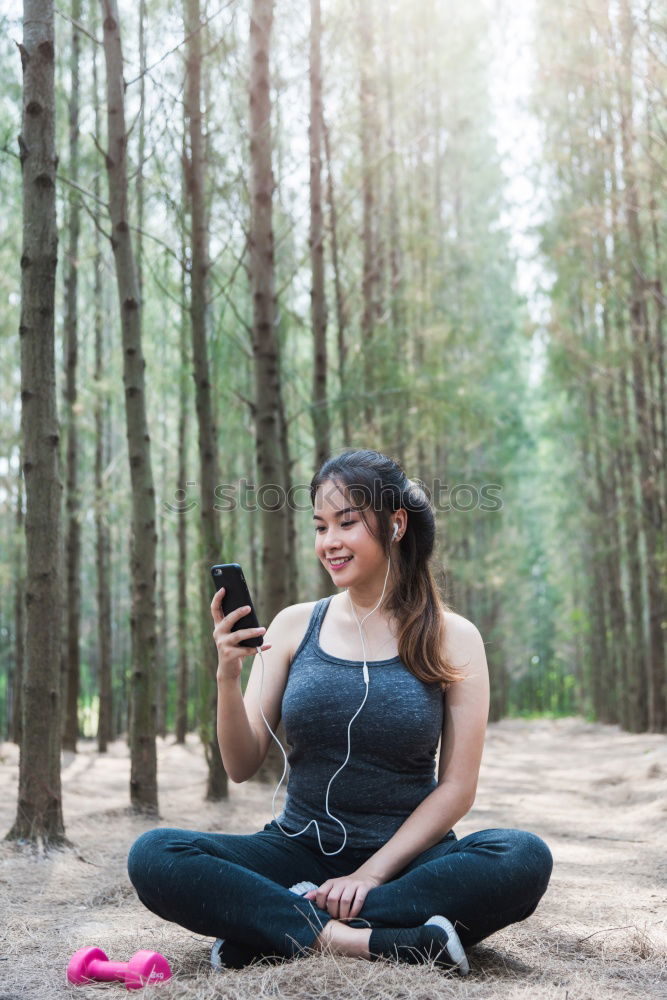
{"points": [[226, 954], [341, 939], [436, 941]]}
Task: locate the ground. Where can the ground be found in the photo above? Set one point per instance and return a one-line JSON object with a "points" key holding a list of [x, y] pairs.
{"points": [[597, 796]]}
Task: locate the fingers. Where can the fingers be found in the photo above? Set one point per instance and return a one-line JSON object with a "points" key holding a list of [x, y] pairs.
{"points": [[321, 895], [230, 642], [249, 650], [342, 903], [247, 633], [216, 606], [227, 639], [346, 903], [227, 621], [357, 904], [335, 900]]}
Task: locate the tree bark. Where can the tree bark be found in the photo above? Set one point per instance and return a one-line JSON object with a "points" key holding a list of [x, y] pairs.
{"points": [[291, 563], [16, 726], [143, 771], [369, 275], [182, 535], [102, 455], [318, 305], [268, 395], [641, 381], [217, 785], [622, 651], [39, 815], [341, 312], [161, 645], [141, 149], [398, 332], [71, 653]]}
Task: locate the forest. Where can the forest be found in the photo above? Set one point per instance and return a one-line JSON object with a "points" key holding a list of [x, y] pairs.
{"points": [[238, 237], [279, 236]]}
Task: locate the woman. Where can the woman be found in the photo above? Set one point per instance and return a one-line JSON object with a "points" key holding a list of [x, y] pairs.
{"points": [[363, 860]]}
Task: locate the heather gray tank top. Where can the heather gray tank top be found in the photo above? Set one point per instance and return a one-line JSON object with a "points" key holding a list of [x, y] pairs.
{"points": [[393, 743]]}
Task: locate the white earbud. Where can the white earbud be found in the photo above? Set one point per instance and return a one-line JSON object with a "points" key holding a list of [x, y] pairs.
{"points": [[393, 537]]}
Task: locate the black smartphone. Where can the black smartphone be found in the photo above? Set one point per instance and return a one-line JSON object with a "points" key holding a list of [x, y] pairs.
{"points": [[230, 576]]}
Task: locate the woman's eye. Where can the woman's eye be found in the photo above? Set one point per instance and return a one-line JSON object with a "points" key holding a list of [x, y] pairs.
{"points": [[320, 527]]}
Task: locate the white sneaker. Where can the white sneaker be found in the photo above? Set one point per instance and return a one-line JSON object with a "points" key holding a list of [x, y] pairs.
{"points": [[436, 940], [301, 888]]}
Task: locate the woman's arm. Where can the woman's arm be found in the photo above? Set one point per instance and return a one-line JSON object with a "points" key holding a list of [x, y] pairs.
{"points": [[242, 734], [466, 711]]}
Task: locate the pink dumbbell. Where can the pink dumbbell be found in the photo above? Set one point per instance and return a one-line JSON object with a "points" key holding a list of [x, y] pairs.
{"points": [[145, 967]]}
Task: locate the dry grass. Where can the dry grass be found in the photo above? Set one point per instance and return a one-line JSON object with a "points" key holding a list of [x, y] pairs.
{"points": [[595, 794]]}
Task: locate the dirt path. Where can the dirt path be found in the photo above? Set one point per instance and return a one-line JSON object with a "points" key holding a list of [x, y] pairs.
{"points": [[598, 796]]}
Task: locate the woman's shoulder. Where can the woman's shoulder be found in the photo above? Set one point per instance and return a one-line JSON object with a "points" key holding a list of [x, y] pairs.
{"points": [[461, 635], [457, 623], [296, 618]]}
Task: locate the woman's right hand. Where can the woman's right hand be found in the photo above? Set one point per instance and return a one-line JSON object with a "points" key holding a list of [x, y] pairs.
{"points": [[230, 654]]}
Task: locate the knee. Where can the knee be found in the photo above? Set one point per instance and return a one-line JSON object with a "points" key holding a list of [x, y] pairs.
{"points": [[145, 855], [534, 857]]}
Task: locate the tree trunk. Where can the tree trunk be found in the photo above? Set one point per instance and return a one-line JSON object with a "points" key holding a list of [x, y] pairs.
{"points": [[182, 535], [71, 653], [217, 786], [19, 614], [143, 773], [292, 546], [641, 357], [39, 815], [368, 280], [659, 366], [398, 331], [102, 455], [659, 309], [161, 645], [341, 313], [604, 681], [272, 446], [613, 514], [318, 306], [141, 150], [270, 469], [635, 697]]}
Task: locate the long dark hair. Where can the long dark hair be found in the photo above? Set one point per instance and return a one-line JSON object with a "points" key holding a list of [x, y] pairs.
{"points": [[373, 480]]}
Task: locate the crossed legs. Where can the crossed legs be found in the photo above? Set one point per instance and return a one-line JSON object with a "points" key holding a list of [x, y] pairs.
{"points": [[237, 887]]}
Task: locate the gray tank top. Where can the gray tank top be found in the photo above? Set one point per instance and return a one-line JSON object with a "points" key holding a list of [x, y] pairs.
{"points": [[393, 743]]}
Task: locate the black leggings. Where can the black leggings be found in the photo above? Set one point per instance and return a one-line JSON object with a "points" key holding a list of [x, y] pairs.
{"points": [[236, 886]]}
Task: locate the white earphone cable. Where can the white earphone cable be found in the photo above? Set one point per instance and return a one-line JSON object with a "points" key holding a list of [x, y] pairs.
{"points": [[366, 682]]}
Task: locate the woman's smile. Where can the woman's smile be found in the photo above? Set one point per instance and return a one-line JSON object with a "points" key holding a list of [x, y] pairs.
{"points": [[339, 563]]}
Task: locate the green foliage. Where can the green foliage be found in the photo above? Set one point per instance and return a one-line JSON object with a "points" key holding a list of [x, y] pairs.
{"points": [[466, 386]]}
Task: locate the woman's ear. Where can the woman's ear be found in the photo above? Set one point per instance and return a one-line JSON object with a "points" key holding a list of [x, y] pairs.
{"points": [[401, 523]]}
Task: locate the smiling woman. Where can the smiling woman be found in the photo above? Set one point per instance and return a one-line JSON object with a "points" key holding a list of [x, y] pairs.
{"points": [[363, 503], [363, 859]]}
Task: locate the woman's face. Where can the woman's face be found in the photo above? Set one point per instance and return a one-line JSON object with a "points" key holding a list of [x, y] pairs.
{"points": [[341, 535]]}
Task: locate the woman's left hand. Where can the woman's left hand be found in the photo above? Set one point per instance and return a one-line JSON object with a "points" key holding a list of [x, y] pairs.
{"points": [[343, 897]]}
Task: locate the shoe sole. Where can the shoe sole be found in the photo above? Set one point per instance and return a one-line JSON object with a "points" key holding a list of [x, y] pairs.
{"points": [[454, 948], [216, 960]]}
